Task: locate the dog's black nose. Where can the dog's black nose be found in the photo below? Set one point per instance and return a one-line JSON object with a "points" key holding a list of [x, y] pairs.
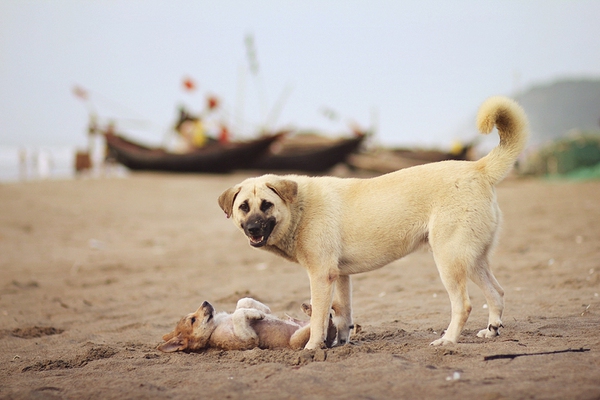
{"points": [[254, 228]]}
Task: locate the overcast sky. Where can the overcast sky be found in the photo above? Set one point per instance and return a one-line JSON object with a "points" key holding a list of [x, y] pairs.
{"points": [[421, 67]]}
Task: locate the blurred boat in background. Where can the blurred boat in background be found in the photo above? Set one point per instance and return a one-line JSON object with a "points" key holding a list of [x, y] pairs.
{"points": [[309, 153], [214, 157], [383, 160], [268, 153]]}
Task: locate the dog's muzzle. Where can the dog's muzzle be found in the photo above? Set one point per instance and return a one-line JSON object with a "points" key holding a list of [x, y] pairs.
{"points": [[258, 230]]}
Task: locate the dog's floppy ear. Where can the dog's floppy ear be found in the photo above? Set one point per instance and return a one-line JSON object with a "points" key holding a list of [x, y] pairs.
{"points": [[174, 344], [284, 188], [227, 198], [169, 336]]}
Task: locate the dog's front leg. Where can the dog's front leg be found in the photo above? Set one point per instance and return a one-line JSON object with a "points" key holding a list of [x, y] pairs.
{"points": [[321, 294], [342, 308]]}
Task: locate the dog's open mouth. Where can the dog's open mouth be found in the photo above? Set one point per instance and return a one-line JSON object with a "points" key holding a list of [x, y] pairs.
{"points": [[258, 231], [257, 241]]}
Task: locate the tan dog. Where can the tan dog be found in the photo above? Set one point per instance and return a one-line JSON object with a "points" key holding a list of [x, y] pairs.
{"points": [[251, 325], [337, 227]]}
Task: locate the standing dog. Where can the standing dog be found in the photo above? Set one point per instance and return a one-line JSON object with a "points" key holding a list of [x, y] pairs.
{"points": [[336, 227]]}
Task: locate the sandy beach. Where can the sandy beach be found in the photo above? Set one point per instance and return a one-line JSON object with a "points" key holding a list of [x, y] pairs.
{"points": [[94, 271]]}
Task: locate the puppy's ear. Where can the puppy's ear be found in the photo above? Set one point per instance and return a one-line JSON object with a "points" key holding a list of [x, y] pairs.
{"points": [[307, 308], [227, 198], [284, 188], [175, 344]]}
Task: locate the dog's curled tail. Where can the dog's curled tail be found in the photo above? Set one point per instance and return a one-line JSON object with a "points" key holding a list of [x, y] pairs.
{"points": [[511, 121]]}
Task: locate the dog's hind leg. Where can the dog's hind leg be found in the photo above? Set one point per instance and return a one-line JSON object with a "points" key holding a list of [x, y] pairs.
{"points": [[300, 338], [494, 295], [342, 308], [453, 273]]}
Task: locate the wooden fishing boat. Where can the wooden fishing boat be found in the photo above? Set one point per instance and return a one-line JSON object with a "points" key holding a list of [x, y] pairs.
{"points": [[315, 157], [213, 158]]}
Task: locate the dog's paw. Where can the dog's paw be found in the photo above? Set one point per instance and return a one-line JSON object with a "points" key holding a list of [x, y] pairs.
{"points": [[442, 342], [489, 332], [315, 346]]}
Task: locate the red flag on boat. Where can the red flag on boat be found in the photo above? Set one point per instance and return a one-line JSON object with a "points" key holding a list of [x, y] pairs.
{"points": [[224, 134], [189, 84], [212, 102]]}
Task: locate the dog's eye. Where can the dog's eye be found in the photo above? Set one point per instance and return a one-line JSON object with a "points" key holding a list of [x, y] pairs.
{"points": [[265, 205], [245, 207], [193, 320]]}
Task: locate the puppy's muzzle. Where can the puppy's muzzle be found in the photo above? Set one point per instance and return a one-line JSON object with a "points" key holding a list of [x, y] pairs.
{"points": [[206, 309], [258, 230]]}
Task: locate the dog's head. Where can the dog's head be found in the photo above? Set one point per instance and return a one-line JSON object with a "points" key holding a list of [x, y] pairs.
{"points": [[192, 331], [260, 207]]}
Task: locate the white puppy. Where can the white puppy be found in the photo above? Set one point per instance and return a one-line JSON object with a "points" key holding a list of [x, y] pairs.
{"points": [[250, 325]]}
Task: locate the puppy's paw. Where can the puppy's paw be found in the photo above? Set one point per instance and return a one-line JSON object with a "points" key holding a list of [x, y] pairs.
{"points": [[343, 335], [253, 314], [442, 342]]}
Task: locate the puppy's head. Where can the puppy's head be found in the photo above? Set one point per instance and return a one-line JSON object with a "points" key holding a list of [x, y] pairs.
{"points": [[260, 207], [192, 331]]}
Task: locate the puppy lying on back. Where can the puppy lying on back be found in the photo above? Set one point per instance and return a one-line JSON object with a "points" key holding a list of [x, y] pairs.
{"points": [[250, 325]]}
